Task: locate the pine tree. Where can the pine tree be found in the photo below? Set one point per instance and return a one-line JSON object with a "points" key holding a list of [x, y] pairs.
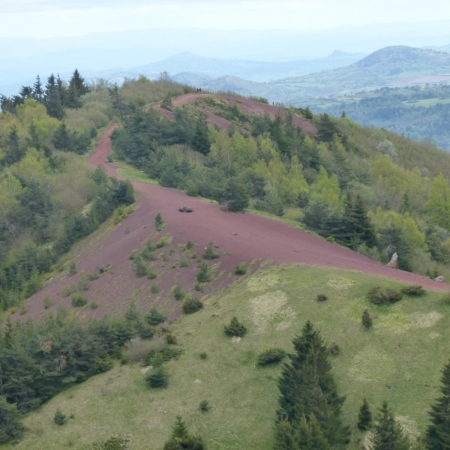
{"points": [[52, 99], [179, 430], [364, 416], [77, 88], [200, 140], [438, 432], [360, 224], [307, 387], [310, 435], [388, 434], [38, 92], [62, 139], [235, 195]]}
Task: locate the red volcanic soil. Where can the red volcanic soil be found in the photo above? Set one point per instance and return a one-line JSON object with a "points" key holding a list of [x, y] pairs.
{"points": [[248, 106], [245, 237]]}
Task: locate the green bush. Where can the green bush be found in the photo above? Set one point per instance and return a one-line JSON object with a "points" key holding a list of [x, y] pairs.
{"points": [[210, 253], [380, 295], [157, 378], [154, 289], [204, 406], [93, 304], [191, 305], [198, 287], [190, 245], [366, 320], [203, 355], [78, 300], [47, 302], [235, 328], [148, 255], [164, 240], [139, 267], [203, 276], [10, 424], [322, 298], [178, 292], [184, 263], [159, 223], [72, 269], [241, 269], [270, 356], [59, 418], [103, 363], [413, 290], [154, 317]]}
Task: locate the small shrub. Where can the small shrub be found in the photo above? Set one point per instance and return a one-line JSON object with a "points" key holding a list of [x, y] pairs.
{"points": [[159, 223], [335, 349], [379, 295], [136, 350], [93, 276], [84, 283], [78, 300], [59, 418], [154, 317], [23, 310], [235, 328], [322, 298], [47, 301], [271, 356], [171, 339], [203, 356], [103, 363], [93, 304], [151, 275], [366, 320], [198, 287], [194, 256], [72, 268], [190, 245], [133, 254], [69, 289], [139, 267], [148, 255], [164, 240], [157, 378], [184, 263], [113, 443], [191, 305], [210, 253], [203, 276], [241, 269], [154, 289], [178, 292], [150, 246], [413, 290], [204, 406], [331, 239]]}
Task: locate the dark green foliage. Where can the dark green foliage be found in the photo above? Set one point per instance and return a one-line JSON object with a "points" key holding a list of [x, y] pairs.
{"points": [[364, 416], [113, 443], [308, 389], [139, 267], [241, 269], [170, 339], [154, 317], [271, 356], [204, 406], [322, 298], [388, 434], [10, 422], [366, 320], [154, 288], [191, 305], [159, 222], [167, 102], [181, 440], [151, 275], [335, 349], [380, 295], [327, 128], [235, 328], [78, 300], [200, 139], [59, 418], [360, 226], [203, 276], [72, 268], [235, 195], [210, 253], [413, 290], [77, 88], [103, 363], [437, 436], [190, 245], [203, 355], [157, 378], [178, 292]]}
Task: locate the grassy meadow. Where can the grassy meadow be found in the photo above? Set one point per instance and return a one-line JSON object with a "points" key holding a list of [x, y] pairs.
{"points": [[399, 360]]}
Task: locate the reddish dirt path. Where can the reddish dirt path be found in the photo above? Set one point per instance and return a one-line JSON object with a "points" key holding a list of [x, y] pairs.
{"points": [[249, 236], [248, 106]]}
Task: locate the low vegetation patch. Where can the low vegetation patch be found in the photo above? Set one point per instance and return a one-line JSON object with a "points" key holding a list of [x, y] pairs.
{"points": [[210, 252], [271, 356], [79, 300], [164, 240], [241, 269], [235, 328], [380, 295], [413, 290], [191, 305]]}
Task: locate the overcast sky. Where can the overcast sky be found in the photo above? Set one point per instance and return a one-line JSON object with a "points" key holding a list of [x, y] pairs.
{"points": [[52, 18]]}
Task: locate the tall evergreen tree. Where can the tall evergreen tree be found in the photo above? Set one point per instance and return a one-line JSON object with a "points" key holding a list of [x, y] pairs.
{"points": [[77, 88], [62, 139], [200, 140], [307, 388], [62, 90], [52, 99], [438, 432], [38, 91], [14, 150], [359, 223], [364, 416], [388, 434]]}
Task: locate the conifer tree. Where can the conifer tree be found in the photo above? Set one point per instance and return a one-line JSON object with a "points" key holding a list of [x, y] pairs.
{"points": [[307, 387], [360, 225], [77, 88], [52, 99], [364, 416], [200, 140], [310, 435], [438, 432], [388, 434], [38, 91]]}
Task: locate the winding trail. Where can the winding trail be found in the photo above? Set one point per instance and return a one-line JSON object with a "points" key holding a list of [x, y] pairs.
{"points": [[248, 236]]}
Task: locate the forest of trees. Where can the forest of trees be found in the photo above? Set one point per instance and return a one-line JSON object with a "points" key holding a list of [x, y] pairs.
{"points": [[368, 189]]}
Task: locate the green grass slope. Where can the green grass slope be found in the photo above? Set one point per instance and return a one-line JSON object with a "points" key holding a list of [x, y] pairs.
{"points": [[399, 360]]}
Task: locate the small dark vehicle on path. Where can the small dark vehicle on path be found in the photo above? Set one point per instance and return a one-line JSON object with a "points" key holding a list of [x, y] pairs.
{"points": [[185, 209]]}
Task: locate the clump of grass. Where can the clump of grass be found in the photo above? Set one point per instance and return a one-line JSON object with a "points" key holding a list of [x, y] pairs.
{"points": [[151, 275], [178, 292], [204, 275], [154, 288], [72, 268], [159, 223], [198, 287], [93, 304], [183, 263], [79, 300], [190, 245], [241, 269], [210, 253], [47, 302], [164, 240]]}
